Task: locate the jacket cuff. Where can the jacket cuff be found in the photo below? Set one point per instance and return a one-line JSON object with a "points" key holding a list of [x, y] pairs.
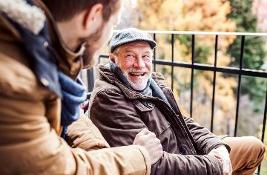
{"points": [[146, 159], [221, 144]]}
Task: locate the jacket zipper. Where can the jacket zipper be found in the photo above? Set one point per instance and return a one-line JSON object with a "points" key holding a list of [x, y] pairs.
{"points": [[176, 120]]}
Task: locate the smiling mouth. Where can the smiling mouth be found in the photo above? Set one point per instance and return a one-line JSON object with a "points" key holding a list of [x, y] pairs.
{"points": [[137, 73]]}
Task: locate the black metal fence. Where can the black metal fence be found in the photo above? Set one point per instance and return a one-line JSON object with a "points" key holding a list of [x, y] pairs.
{"points": [[238, 71]]}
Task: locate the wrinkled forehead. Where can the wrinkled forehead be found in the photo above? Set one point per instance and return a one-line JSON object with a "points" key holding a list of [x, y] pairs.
{"points": [[138, 46]]}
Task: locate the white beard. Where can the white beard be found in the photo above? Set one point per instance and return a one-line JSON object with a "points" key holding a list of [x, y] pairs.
{"points": [[140, 84]]}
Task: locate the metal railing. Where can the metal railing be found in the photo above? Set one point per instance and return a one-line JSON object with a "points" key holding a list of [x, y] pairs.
{"points": [[240, 71]]}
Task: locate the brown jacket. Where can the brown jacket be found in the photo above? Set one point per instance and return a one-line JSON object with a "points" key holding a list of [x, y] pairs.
{"points": [[30, 121], [120, 113]]}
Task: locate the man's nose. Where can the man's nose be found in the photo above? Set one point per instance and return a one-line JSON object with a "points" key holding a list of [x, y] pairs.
{"points": [[139, 62]]}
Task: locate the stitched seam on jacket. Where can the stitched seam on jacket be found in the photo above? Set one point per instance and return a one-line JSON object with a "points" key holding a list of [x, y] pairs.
{"points": [[182, 126], [173, 99]]}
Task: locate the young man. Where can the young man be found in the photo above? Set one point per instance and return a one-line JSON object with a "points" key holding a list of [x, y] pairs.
{"points": [[128, 97], [40, 93]]}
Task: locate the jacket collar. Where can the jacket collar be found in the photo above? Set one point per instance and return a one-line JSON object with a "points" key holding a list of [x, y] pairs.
{"points": [[33, 18], [30, 17], [70, 62]]}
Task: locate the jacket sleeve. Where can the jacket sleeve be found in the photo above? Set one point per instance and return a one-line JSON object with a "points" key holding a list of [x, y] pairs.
{"points": [[205, 140], [119, 123], [84, 134], [28, 145]]}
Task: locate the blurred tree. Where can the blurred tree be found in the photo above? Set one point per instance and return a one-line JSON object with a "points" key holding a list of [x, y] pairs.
{"points": [[254, 53], [130, 13], [259, 9], [216, 15], [196, 15]]}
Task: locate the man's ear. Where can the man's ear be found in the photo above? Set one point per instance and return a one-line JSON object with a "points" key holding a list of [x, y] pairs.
{"points": [[93, 18], [112, 57]]}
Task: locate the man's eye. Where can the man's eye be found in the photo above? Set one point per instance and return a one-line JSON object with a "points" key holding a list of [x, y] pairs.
{"points": [[129, 55], [147, 57]]}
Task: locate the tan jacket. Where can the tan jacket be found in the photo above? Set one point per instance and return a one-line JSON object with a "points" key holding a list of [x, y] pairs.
{"points": [[30, 122]]}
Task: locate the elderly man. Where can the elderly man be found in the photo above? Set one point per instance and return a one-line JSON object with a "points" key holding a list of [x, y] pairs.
{"points": [[128, 97], [43, 47]]}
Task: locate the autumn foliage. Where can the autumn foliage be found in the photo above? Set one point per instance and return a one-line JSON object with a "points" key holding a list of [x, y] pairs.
{"points": [[195, 15]]}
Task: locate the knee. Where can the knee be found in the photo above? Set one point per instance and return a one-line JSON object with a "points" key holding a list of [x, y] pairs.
{"points": [[256, 146]]}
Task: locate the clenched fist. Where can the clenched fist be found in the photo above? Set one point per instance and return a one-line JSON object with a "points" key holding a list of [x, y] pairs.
{"points": [[151, 143], [222, 154]]}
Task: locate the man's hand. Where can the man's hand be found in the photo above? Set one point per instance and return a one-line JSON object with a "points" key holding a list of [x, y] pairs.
{"points": [[151, 143], [222, 154]]}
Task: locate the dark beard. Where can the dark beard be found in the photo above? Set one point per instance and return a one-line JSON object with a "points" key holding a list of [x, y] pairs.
{"points": [[90, 56]]}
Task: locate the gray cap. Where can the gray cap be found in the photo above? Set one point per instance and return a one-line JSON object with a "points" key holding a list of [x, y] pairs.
{"points": [[129, 35]]}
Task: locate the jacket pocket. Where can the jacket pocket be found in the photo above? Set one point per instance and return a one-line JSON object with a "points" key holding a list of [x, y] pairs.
{"points": [[143, 106], [152, 117]]}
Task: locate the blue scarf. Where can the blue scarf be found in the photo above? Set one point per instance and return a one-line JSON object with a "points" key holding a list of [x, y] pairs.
{"points": [[43, 64], [73, 95]]}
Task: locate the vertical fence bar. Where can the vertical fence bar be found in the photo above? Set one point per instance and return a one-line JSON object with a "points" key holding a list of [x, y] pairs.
{"points": [[192, 74], [154, 56], [214, 84], [239, 82], [172, 70], [264, 118], [90, 79], [263, 125]]}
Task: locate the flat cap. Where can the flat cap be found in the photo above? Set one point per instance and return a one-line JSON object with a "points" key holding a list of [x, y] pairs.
{"points": [[129, 35]]}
